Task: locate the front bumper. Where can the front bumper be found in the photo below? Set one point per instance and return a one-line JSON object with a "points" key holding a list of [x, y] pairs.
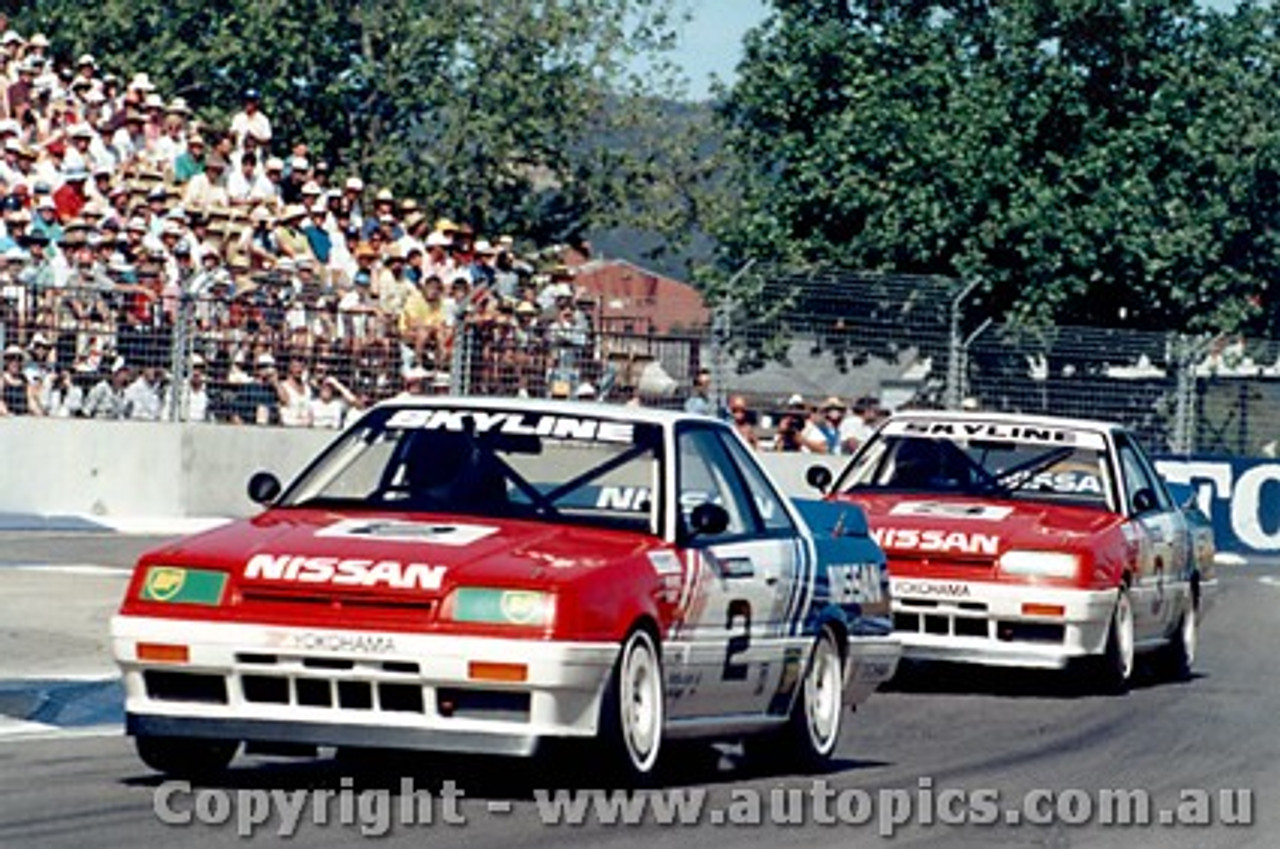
{"points": [[984, 623], [319, 686]]}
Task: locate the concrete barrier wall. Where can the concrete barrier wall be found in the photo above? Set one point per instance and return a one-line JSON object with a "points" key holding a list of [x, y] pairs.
{"points": [[149, 470]]}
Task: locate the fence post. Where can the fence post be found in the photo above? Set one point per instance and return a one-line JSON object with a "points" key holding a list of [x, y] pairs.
{"points": [[954, 396], [460, 359], [179, 355], [1184, 398], [721, 333]]}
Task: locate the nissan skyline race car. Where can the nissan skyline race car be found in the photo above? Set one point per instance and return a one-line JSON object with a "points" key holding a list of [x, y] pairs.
{"points": [[488, 576], [1035, 542]]}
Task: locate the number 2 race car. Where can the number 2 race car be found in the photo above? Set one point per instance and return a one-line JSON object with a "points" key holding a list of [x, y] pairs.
{"points": [[1018, 541], [481, 576]]}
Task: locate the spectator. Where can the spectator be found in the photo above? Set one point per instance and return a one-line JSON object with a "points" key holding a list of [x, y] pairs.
{"points": [[250, 121], [191, 161], [855, 429], [332, 404], [823, 432], [106, 399], [424, 323], [744, 420], [195, 396], [295, 395], [18, 396], [699, 401], [143, 399], [258, 401], [62, 397], [791, 425]]}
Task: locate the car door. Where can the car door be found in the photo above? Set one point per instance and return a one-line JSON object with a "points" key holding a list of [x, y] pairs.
{"points": [[1166, 537], [727, 656]]}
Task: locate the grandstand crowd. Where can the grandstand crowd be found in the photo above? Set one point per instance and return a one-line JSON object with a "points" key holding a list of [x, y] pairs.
{"points": [[153, 267], [125, 218]]}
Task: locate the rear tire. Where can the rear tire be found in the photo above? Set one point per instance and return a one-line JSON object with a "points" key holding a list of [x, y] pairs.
{"points": [[633, 712], [186, 757], [1180, 655], [809, 739]]}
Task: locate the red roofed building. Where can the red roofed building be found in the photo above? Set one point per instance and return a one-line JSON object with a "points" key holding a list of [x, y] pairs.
{"points": [[636, 300]]}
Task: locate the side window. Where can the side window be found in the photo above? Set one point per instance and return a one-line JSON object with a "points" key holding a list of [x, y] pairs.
{"points": [[706, 474], [1138, 476], [772, 512]]}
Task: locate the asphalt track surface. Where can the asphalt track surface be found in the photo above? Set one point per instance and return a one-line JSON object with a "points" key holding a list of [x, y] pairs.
{"points": [[68, 779]]}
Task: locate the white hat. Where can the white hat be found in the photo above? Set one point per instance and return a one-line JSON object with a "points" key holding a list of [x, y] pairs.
{"points": [[585, 390], [311, 187], [355, 184], [196, 360], [118, 365], [142, 82], [416, 373], [436, 239], [299, 163], [795, 400], [275, 163], [9, 125], [10, 37], [320, 206], [483, 247], [384, 196], [265, 359], [153, 101], [39, 339], [86, 59], [39, 40]]}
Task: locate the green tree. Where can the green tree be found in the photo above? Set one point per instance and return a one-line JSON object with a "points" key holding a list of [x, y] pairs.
{"points": [[1101, 161], [499, 112]]}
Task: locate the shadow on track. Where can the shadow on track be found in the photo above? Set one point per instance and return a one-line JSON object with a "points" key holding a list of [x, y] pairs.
{"points": [[941, 678], [482, 777]]}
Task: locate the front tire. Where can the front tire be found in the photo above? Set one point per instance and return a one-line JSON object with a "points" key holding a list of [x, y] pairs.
{"points": [[633, 712], [186, 757], [1119, 657]]}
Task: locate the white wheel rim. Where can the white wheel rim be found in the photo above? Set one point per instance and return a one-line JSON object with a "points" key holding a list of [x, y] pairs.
{"points": [[823, 697], [641, 703], [1190, 632], [1124, 634]]}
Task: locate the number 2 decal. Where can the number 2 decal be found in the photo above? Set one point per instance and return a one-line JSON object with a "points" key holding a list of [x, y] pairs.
{"points": [[739, 612]]}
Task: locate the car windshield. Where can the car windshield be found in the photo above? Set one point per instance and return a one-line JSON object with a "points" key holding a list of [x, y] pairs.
{"points": [[1075, 472], [495, 463]]}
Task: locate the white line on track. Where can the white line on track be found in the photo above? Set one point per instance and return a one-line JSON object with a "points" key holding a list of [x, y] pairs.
{"points": [[70, 568], [33, 731]]}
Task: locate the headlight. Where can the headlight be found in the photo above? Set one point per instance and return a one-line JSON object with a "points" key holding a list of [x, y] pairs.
{"points": [[1041, 564], [180, 585], [482, 605]]}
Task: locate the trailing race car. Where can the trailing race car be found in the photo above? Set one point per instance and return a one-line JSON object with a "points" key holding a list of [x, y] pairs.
{"points": [[482, 576], [1021, 541]]}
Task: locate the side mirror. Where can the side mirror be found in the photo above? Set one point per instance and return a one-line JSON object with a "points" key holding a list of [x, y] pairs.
{"points": [[1144, 501], [264, 487], [819, 477], [708, 519]]}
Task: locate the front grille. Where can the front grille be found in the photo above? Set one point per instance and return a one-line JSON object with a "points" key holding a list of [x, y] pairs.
{"points": [[929, 617], [200, 688]]}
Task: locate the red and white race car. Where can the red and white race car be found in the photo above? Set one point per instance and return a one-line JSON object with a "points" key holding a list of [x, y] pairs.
{"points": [[479, 576], [1025, 541]]}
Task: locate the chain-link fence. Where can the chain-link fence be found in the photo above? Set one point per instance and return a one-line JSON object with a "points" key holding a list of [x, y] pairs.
{"points": [[282, 353]]}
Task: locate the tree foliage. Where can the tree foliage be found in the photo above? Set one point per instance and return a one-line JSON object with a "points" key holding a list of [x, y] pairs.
{"points": [[1092, 161], [496, 111]]}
